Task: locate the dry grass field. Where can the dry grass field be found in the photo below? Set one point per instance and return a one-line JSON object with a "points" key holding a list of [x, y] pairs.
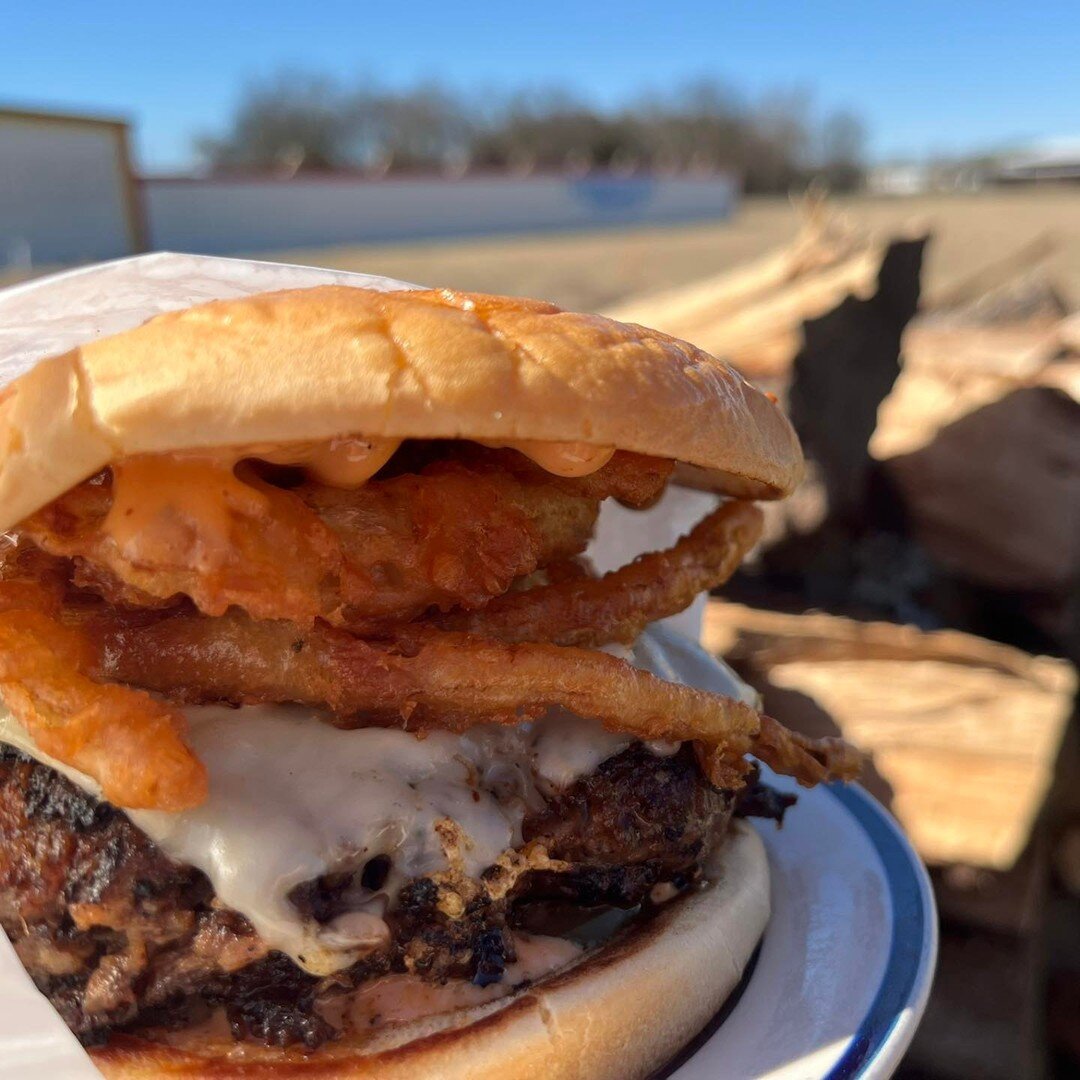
{"points": [[594, 270]]}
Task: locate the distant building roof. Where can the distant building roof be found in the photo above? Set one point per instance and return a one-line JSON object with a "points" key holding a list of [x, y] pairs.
{"points": [[899, 178], [1051, 159]]}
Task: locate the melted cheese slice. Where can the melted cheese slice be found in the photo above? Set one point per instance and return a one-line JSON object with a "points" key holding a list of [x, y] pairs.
{"points": [[292, 798]]}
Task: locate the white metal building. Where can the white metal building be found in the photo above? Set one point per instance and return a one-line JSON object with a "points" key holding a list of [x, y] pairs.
{"points": [[67, 190], [225, 215], [1053, 159]]}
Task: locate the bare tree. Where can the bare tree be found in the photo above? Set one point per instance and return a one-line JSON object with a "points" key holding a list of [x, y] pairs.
{"points": [[843, 140], [428, 127], [779, 142], [303, 122], [702, 122], [289, 123]]}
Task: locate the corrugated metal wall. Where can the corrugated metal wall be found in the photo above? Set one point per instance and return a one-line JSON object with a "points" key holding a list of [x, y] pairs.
{"points": [[66, 190], [217, 217]]}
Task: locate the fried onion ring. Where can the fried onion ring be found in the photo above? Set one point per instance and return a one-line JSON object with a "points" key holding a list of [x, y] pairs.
{"points": [[129, 743], [434, 679], [619, 605], [809, 761]]}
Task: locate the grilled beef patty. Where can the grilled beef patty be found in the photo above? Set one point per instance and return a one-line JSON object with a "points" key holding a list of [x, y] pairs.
{"points": [[118, 936]]}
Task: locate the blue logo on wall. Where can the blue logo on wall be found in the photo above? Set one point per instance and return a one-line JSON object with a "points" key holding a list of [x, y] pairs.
{"points": [[614, 196]]}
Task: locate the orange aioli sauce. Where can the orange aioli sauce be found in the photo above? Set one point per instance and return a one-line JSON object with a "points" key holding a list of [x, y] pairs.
{"points": [[161, 502], [346, 462], [561, 458], [158, 498]]}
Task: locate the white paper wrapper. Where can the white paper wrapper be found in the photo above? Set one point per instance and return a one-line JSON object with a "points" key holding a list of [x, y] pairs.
{"points": [[55, 314], [51, 315]]}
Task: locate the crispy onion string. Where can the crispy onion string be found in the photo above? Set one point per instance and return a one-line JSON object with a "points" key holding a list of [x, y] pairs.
{"points": [[436, 679], [619, 605]]}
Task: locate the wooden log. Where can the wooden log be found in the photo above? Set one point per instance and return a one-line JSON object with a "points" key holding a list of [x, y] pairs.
{"points": [[754, 315], [951, 371], [980, 441], [1068, 331], [762, 336], [963, 734], [973, 287], [823, 241], [994, 497], [764, 639]]}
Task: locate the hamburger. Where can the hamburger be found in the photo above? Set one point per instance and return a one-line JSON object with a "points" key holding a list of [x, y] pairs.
{"points": [[325, 752]]}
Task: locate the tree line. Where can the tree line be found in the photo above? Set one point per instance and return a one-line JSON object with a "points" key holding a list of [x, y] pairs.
{"points": [[294, 123]]}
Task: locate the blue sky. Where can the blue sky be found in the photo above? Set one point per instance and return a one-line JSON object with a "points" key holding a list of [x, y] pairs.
{"points": [[926, 77]]}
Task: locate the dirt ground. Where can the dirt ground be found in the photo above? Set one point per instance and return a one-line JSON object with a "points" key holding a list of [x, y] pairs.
{"points": [[595, 269]]}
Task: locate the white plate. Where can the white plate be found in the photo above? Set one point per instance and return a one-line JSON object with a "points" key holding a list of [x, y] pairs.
{"points": [[844, 968]]}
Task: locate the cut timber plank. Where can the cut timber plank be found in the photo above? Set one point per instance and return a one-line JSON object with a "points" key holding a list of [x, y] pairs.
{"points": [[948, 373], [771, 637], [963, 734], [763, 337], [823, 241], [1001, 273], [754, 315]]}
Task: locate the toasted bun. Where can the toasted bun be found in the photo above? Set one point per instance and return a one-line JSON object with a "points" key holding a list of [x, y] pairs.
{"points": [[317, 363], [618, 1014]]}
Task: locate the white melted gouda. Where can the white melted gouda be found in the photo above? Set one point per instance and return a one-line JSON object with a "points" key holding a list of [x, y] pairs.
{"points": [[292, 798]]}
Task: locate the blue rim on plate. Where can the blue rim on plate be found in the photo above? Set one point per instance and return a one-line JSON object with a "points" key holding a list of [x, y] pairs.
{"points": [[913, 947], [887, 1028]]}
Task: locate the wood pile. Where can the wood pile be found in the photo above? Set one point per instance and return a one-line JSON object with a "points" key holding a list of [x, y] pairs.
{"points": [[963, 733], [965, 742], [944, 480], [944, 490], [980, 440]]}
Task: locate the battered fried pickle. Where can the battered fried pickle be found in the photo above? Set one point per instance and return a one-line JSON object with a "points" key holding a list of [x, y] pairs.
{"points": [[448, 537], [158, 528], [454, 535]]}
